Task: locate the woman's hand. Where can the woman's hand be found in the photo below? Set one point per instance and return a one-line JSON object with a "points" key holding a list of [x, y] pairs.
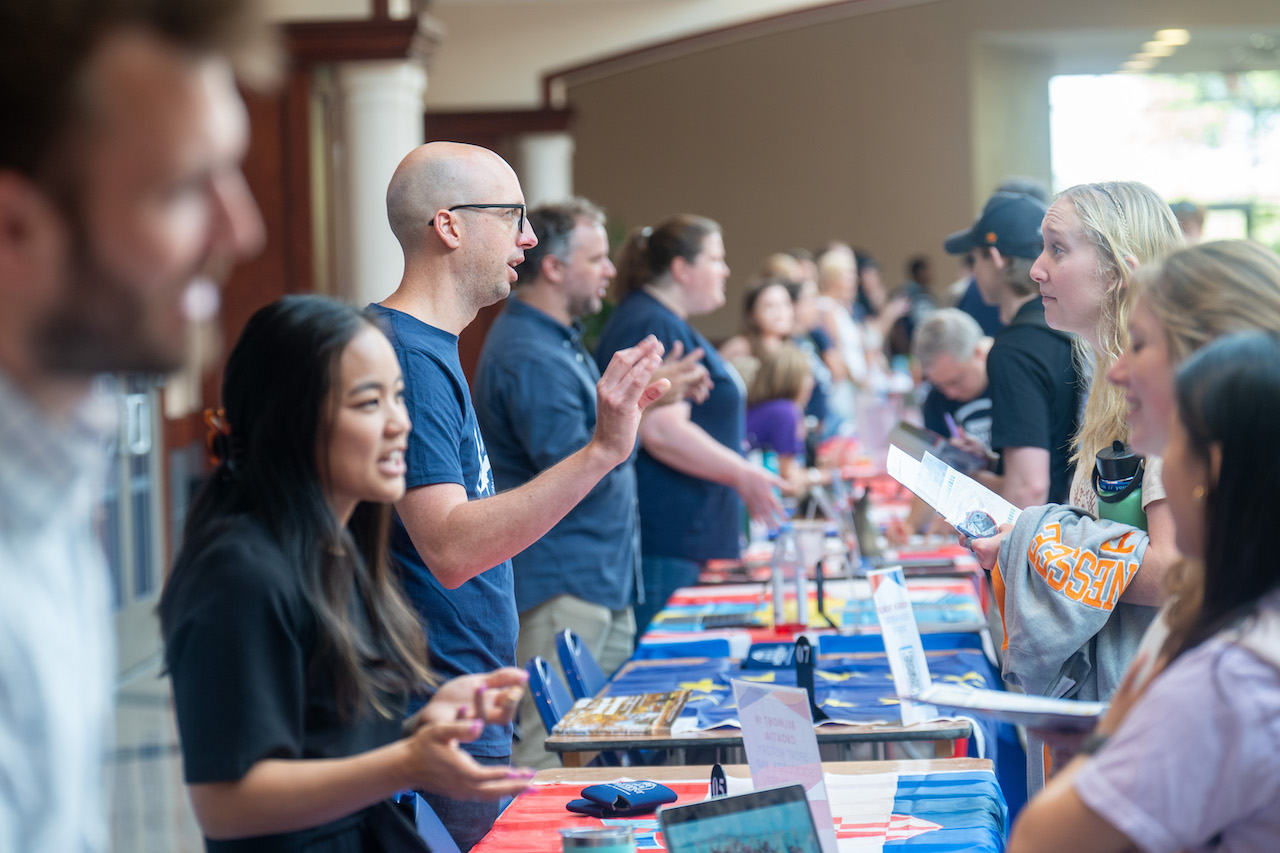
{"points": [[284, 795], [688, 376], [491, 697], [438, 764], [988, 549], [458, 712], [755, 485]]}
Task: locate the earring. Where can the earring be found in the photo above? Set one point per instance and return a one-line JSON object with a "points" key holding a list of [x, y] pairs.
{"points": [[1198, 493]]}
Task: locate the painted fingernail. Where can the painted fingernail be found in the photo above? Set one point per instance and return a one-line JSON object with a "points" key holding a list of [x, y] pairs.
{"points": [[477, 726]]}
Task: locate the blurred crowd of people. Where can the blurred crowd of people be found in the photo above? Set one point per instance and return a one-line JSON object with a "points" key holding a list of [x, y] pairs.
{"points": [[380, 541]]}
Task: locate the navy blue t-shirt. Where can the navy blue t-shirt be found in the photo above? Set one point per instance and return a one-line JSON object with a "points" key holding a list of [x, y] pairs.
{"points": [[472, 628], [535, 399], [988, 316], [683, 516]]}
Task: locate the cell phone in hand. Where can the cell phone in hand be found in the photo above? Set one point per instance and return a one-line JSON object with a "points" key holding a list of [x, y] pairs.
{"points": [[977, 525]]}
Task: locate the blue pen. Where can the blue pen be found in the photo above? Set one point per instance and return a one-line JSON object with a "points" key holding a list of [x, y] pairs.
{"points": [[952, 425]]}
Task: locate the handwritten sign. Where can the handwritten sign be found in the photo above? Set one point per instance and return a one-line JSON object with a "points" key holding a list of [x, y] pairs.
{"points": [[782, 749]]}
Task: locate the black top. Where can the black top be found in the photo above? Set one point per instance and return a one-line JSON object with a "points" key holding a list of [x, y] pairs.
{"points": [[241, 637], [972, 416], [1035, 392]]}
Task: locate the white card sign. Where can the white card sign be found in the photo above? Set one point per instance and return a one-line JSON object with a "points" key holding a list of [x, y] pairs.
{"points": [[782, 749], [901, 642]]}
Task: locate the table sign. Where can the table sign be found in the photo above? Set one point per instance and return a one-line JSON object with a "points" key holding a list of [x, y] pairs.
{"points": [[781, 747], [719, 784], [804, 677], [901, 642]]}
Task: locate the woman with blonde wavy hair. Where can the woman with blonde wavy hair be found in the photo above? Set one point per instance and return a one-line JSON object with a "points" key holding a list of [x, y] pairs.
{"points": [[1096, 236], [1076, 596], [1193, 296]]}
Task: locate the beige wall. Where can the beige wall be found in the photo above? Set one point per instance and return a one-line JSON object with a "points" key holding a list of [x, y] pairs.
{"points": [[496, 51], [886, 129], [833, 132]]}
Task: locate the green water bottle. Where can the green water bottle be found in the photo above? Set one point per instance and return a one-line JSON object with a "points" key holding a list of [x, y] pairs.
{"points": [[1117, 480]]}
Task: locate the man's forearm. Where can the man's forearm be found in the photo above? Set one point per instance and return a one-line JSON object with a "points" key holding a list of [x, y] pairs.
{"points": [[473, 536], [689, 449]]}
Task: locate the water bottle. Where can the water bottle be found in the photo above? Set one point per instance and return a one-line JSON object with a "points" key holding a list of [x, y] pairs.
{"points": [[787, 564], [1117, 480]]}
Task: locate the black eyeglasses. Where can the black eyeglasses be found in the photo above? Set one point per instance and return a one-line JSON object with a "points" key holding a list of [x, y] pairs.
{"points": [[519, 207]]}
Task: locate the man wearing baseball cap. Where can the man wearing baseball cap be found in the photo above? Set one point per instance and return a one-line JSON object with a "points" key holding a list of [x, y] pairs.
{"points": [[1035, 387]]}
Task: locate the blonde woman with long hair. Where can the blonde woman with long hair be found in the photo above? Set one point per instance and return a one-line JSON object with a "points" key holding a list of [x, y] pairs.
{"points": [[1076, 597], [1096, 237]]}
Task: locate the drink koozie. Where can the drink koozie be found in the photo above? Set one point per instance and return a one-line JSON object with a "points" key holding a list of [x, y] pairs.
{"points": [[622, 799]]}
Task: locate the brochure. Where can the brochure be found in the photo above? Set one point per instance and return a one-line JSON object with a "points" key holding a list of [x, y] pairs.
{"points": [[1037, 712], [945, 489], [643, 714]]}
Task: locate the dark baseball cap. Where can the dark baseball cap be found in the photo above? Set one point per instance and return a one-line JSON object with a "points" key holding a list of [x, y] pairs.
{"points": [[1010, 222]]}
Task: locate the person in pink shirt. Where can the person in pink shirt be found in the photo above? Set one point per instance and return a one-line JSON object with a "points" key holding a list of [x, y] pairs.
{"points": [[1185, 758]]}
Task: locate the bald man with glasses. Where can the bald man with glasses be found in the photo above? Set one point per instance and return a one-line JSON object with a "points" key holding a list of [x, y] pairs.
{"points": [[459, 215]]}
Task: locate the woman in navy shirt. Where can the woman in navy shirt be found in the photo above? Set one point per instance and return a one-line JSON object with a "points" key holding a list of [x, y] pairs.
{"points": [[691, 475]]}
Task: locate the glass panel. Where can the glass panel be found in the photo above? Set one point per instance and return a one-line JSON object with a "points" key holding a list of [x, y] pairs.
{"points": [[144, 569]]}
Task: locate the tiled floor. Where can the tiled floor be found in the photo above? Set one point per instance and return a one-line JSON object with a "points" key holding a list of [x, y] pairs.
{"points": [[149, 806]]}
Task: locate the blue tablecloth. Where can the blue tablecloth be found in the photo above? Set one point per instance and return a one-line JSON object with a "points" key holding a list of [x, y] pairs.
{"points": [[849, 688]]}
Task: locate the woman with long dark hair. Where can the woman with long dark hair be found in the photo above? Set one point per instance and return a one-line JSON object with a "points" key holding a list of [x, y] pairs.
{"points": [[768, 321], [1187, 760], [289, 643]]}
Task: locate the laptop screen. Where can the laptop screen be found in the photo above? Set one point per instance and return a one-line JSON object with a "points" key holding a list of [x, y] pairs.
{"points": [[768, 821]]}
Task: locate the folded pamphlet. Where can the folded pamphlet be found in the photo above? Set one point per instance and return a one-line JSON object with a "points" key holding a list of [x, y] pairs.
{"points": [[643, 714]]}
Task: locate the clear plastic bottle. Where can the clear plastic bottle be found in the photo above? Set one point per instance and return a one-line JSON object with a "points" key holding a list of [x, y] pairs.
{"points": [[788, 565]]}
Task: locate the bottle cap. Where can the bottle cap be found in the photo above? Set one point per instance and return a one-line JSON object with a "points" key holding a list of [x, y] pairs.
{"points": [[1117, 462]]}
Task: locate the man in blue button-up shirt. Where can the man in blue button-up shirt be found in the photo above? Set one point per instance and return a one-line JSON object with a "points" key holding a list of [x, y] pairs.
{"points": [[535, 400]]}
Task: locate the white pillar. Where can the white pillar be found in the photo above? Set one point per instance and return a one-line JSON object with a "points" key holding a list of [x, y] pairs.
{"points": [[546, 167], [382, 108]]}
